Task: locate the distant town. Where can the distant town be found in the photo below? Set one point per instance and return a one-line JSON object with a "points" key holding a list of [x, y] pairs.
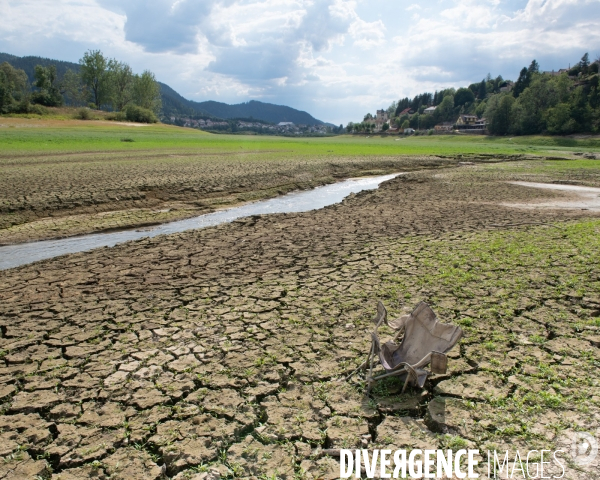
{"points": [[559, 102], [256, 126], [465, 123]]}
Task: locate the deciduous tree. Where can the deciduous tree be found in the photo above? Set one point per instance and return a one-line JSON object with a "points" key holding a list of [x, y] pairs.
{"points": [[49, 92], [13, 86], [500, 115], [146, 92], [463, 96], [94, 74], [75, 92], [122, 79]]}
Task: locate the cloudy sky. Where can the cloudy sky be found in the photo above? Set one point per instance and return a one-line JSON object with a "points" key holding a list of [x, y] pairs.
{"points": [[336, 59]]}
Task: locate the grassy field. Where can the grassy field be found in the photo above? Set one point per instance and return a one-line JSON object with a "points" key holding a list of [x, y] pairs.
{"points": [[39, 135]]}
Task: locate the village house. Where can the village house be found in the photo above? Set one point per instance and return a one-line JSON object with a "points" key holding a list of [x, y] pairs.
{"points": [[380, 119], [429, 110], [465, 120], [406, 111], [470, 124], [556, 73], [444, 127], [507, 86]]}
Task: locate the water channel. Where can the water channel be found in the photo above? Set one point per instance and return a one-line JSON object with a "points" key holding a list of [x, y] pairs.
{"points": [[15, 255]]}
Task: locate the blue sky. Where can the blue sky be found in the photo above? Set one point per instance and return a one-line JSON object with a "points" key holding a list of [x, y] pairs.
{"points": [[336, 59]]}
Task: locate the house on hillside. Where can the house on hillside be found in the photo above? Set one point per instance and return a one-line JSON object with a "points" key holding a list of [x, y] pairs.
{"points": [[556, 74], [466, 120], [285, 124], [506, 86], [444, 127], [380, 119], [406, 111], [429, 110], [471, 124]]}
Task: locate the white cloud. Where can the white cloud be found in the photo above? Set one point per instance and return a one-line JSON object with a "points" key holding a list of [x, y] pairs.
{"points": [[367, 34], [336, 59], [78, 21], [470, 14]]}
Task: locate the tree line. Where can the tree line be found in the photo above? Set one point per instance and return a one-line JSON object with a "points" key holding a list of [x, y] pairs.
{"points": [[544, 103], [99, 83], [535, 103]]}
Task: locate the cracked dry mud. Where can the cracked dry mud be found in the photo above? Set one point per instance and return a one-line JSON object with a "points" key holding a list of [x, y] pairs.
{"points": [[54, 195], [219, 350]]}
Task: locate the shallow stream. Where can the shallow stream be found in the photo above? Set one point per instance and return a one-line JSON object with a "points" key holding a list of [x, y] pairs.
{"points": [[579, 197], [15, 255]]}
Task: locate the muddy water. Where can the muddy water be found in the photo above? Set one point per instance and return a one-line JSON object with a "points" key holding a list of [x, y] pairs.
{"points": [[584, 198], [15, 255]]}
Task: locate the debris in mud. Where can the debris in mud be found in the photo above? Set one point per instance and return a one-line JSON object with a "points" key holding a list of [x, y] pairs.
{"points": [[426, 341]]}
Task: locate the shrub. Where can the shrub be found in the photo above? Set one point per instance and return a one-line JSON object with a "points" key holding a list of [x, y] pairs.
{"points": [[38, 110], [25, 107], [47, 99], [116, 116], [83, 114], [133, 113]]}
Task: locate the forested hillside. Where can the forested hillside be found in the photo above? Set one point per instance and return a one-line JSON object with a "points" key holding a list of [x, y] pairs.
{"points": [[561, 103], [30, 84], [259, 110], [28, 64], [173, 104]]}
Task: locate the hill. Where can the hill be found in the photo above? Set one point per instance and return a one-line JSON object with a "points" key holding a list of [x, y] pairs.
{"points": [[28, 64], [262, 111], [174, 105]]}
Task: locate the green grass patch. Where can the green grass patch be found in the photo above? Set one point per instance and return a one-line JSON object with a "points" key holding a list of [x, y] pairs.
{"points": [[43, 136]]}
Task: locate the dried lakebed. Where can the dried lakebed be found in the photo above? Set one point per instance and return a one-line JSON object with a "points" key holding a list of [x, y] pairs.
{"points": [[586, 198], [15, 255], [221, 347]]}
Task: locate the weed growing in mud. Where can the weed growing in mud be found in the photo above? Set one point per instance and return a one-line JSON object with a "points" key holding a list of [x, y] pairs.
{"points": [[453, 442]]}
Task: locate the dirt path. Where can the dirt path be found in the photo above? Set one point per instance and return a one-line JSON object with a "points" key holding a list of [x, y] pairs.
{"points": [[220, 348]]}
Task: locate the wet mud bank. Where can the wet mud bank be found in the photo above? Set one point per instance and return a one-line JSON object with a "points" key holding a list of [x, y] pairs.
{"points": [[90, 192], [574, 197], [14, 255]]}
